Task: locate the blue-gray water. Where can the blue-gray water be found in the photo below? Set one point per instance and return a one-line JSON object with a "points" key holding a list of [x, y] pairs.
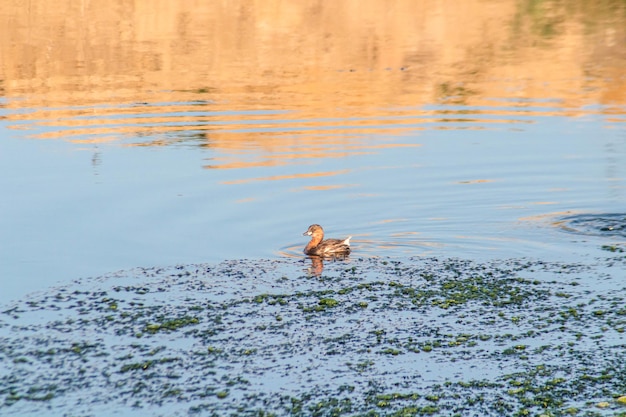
{"points": [[143, 135], [455, 181]]}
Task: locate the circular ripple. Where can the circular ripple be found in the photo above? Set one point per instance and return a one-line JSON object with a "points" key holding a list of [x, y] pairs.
{"points": [[610, 225]]}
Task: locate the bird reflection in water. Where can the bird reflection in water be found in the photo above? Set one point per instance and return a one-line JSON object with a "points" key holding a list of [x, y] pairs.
{"points": [[317, 263]]}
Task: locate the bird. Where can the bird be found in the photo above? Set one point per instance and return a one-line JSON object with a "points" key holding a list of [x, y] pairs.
{"points": [[325, 248]]}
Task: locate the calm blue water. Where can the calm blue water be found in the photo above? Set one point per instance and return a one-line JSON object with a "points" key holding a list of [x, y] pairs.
{"points": [[143, 186]]}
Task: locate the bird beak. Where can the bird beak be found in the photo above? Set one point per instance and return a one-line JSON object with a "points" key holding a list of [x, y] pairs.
{"points": [[307, 233]]}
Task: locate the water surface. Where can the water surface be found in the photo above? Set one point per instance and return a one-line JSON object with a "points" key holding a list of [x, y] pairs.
{"points": [[176, 134]]}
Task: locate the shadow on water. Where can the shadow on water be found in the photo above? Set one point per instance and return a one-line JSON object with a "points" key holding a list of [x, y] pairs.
{"points": [[608, 225]]}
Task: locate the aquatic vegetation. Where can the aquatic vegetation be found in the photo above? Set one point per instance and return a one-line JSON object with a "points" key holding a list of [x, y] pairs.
{"points": [[170, 324], [614, 248], [382, 338]]}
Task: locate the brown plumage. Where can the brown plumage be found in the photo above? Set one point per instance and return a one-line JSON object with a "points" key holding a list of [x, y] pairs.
{"points": [[329, 247]]}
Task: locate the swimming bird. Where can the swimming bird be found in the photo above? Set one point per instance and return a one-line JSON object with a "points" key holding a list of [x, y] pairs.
{"points": [[325, 248]]}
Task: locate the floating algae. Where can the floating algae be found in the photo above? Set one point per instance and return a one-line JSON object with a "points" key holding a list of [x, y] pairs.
{"points": [[372, 337]]}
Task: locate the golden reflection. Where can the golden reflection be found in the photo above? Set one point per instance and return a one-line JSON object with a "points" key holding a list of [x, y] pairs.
{"points": [[480, 181], [548, 216], [278, 153], [101, 139], [317, 266], [290, 176], [244, 164], [323, 55], [403, 234], [292, 78], [390, 221], [326, 187]]}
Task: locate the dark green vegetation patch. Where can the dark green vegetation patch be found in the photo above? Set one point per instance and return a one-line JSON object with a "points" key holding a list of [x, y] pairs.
{"points": [[370, 337]]}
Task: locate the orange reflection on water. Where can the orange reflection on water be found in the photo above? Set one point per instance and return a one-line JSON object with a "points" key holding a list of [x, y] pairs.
{"points": [[547, 216], [290, 176], [479, 181], [280, 151], [390, 221], [326, 187], [313, 55], [303, 79]]}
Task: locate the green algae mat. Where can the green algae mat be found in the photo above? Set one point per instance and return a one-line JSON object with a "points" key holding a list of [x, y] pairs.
{"points": [[369, 337]]}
